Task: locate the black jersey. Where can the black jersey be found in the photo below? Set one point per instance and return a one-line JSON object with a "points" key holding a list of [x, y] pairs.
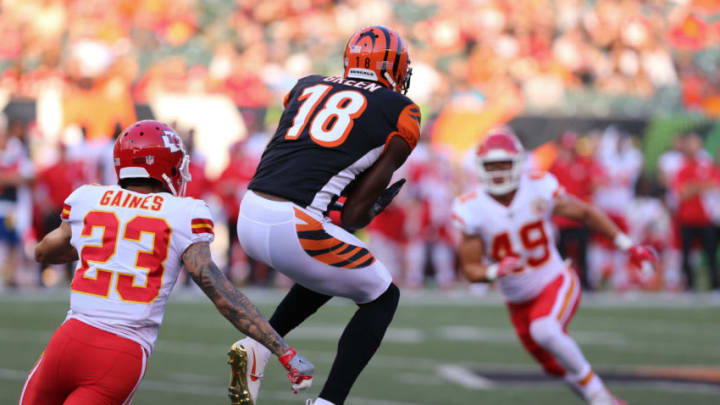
{"points": [[332, 130]]}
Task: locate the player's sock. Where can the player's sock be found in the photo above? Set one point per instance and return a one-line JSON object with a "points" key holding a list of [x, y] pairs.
{"points": [[298, 305], [586, 386], [321, 401], [549, 334], [358, 343]]}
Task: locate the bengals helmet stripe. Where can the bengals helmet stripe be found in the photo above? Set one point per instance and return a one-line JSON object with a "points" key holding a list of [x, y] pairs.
{"points": [[387, 49]]}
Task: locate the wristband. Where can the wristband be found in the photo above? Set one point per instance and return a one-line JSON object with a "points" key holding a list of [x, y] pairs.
{"points": [[491, 272], [622, 241]]}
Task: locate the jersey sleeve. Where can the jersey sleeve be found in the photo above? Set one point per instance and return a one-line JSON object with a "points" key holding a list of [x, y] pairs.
{"points": [[201, 224], [72, 205], [548, 187], [408, 125], [462, 217]]}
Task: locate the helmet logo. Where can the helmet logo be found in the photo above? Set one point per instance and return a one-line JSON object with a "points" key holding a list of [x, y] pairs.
{"points": [[373, 36], [355, 49], [171, 141], [149, 159]]}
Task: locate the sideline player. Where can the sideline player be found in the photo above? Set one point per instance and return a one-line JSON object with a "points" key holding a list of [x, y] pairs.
{"points": [[337, 136], [507, 220], [132, 239]]}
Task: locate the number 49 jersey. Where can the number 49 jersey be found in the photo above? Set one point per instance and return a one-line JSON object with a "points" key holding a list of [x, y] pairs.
{"points": [[332, 130], [130, 247], [522, 229]]}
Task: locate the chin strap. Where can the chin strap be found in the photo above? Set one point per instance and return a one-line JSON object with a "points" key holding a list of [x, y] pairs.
{"points": [[387, 77], [168, 182]]}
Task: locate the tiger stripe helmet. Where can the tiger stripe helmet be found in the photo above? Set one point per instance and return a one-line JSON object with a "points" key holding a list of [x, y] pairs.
{"points": [[378, 54]]}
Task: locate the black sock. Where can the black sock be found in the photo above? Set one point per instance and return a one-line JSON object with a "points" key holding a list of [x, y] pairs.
{"points": [[297, 306], [358, 343]]}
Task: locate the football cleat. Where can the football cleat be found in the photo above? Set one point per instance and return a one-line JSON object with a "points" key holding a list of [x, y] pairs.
{"points": [[238, 390], [256, 358]]}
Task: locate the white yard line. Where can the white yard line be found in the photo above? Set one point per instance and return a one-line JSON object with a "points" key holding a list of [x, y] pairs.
{"points": [[464, 377]]}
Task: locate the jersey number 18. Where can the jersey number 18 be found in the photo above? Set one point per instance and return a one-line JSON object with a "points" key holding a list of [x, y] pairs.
{"points": [[332, 124]]}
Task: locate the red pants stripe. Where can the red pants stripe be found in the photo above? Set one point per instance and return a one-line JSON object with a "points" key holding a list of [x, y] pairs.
{"points": [[85, 365]]}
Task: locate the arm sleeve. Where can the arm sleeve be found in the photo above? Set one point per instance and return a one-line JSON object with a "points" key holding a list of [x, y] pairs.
{"points": [[408, 125]]}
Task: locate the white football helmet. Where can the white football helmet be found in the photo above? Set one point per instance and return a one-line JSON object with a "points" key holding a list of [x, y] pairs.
{"points": [[500, 145]]}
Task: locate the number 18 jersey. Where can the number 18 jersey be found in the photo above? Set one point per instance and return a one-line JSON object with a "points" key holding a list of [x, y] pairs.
{"points": [[130, 247], [332, 130], [522, 229]]}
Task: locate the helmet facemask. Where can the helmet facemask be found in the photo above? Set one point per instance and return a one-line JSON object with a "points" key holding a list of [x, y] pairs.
{"points": [[499, 181]]}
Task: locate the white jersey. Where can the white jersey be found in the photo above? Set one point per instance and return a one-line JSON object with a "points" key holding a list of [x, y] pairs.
{"points": [[130, 246], [523, 229]]}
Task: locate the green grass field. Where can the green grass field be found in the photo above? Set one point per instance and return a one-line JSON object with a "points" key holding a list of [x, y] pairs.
{"points": [[433, 342]]}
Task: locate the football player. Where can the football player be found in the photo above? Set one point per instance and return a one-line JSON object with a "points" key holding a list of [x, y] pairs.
{"points": [[507, 236], [130, 241], [338, 136]]}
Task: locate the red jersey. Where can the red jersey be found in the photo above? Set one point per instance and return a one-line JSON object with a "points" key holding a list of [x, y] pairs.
{"points": [[691, 211], [576, 177]]}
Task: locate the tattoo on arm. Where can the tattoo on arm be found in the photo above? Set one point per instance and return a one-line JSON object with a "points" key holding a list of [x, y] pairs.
{"points": [[231, 303]]}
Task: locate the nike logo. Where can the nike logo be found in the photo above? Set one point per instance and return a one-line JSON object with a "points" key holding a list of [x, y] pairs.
{"points": [[253, 377]]}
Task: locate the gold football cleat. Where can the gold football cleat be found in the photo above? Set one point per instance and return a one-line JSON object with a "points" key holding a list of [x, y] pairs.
{"points": [[238, 388]]}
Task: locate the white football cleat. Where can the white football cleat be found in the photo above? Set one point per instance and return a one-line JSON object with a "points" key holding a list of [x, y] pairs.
{"points": [[247, 372]]}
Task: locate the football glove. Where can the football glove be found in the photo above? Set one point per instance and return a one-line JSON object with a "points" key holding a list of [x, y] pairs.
{"points": [[507, 265], [386, 197], [644, 259], [300, 370], [382, 201]]}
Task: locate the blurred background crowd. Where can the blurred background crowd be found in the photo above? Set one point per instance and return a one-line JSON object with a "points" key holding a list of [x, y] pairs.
{"points": [[618, 98]]}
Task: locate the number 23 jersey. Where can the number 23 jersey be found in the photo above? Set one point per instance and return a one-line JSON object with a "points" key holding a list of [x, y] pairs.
{"points": [[130, 247], [332, 130], [522, 229]]}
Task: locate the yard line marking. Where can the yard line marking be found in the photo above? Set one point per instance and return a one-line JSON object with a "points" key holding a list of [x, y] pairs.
{"points": [[464, 378]]}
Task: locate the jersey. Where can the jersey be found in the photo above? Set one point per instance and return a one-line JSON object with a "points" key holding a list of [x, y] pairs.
{"points": [[130, 247], [522, 229], [331, 131]]}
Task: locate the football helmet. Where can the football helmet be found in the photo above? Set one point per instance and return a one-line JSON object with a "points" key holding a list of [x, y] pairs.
{"points": [[378, 54], [151, 149], [500, 145]]}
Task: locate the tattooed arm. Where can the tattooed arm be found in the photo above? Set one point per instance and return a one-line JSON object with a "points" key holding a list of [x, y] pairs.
{"points": [[233, 304]]}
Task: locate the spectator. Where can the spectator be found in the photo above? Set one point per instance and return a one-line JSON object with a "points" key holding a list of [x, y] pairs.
{"points": [[693, 180], [53, 185], [577, 175], [16, 173]]}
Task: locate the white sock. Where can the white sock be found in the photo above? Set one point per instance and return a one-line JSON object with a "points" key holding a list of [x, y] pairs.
{"points": [[321, 401]]}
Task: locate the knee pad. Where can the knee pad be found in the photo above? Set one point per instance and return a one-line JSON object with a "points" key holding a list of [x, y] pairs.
{"points": [[544, 330]]}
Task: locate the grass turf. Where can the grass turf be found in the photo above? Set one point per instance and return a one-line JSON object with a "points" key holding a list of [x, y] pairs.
{"points": [[430, 331]]}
